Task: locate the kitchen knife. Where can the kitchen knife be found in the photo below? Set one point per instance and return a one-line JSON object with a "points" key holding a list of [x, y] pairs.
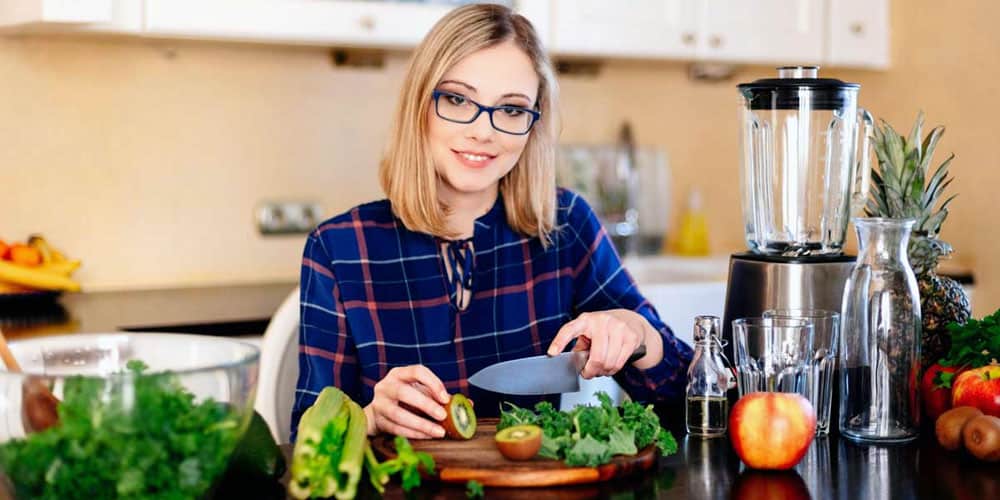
{"points": [[538, 374]]}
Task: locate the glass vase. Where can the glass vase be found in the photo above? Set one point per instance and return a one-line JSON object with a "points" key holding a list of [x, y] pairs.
{"points": [[880, 337]]}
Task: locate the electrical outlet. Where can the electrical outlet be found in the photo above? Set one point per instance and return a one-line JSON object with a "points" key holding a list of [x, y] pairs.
{"points": [[287, 217]]}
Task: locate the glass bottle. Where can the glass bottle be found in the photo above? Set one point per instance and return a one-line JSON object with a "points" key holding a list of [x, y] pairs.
{"points": [[880, 337], [707, 406]]}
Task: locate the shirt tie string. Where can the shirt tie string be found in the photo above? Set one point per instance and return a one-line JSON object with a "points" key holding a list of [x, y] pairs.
{"points": [[461, 260]]}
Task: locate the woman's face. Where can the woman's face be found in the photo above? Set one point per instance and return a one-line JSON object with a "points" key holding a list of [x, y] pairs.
{"points": [[471, 158]]}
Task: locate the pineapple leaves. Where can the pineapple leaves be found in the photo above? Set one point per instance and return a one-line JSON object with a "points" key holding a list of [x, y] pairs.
{"points": [[903, 187], [937, 184], [894, 146], [930, 143], [913, 141]]}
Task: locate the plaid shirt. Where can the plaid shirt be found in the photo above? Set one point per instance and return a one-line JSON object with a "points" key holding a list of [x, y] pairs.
{"points": [[376, 295]]}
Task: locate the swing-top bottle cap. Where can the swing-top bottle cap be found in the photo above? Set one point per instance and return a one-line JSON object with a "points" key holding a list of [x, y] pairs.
{"points": [[706, 328]]}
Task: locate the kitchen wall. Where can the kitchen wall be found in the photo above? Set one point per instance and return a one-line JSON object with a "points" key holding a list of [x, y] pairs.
{"points": [[146, 158]]}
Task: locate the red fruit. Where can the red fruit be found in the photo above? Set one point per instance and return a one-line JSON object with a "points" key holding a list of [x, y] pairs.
{"points": [[769, 485], [935, 390], [980, 388], [772, 430]]}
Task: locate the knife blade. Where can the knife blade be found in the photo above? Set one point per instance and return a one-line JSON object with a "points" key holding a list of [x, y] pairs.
{"points": [[537, 375]]}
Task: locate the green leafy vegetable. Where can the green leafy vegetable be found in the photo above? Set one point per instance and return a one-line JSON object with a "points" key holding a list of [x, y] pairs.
{"points": [[591, 435], [132, 435], [407, 463], [474, 489], [974, 344], [330, 449]]}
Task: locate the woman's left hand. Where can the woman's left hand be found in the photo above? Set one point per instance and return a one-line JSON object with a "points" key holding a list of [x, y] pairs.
{"points": [[611, 337]]}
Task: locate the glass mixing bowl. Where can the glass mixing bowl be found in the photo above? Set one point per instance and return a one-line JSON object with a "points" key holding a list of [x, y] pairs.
{"points": [[125, 414]]}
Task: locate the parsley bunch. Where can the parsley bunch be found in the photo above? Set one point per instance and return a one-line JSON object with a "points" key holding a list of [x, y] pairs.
{"points": [[591, 435], [128, 436], [974, 344]]}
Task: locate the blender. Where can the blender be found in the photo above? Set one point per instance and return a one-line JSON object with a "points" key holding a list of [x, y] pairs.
{"points": [[805, 171]]}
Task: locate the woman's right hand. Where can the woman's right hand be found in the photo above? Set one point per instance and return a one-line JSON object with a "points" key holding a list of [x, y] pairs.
{"points": [[403, 401]]}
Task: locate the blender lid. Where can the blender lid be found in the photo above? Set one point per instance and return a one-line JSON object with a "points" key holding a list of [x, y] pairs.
{"points": [[786, 91]]}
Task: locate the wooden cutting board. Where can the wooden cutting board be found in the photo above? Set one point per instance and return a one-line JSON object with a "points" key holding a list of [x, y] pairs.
{"points": [[478, 458]]}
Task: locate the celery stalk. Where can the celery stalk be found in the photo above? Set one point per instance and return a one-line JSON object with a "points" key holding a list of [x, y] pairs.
{"points": [[355, 442]]}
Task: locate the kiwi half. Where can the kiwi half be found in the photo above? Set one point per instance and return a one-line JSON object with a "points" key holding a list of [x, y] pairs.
{"points": [[520, 442], [460, 423]]}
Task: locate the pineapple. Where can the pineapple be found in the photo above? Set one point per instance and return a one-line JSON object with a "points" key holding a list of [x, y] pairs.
{"points": [[903, 189]]}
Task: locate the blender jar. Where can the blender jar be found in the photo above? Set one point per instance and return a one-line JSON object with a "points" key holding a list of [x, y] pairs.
{"points": [[801, 179]]}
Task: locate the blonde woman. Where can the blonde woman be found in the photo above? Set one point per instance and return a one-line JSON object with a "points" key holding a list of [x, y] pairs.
{"points": [[475, 257]]}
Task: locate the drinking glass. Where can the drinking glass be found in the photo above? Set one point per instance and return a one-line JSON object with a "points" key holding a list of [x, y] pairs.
{"points": [[773, 354], [826, 338]]}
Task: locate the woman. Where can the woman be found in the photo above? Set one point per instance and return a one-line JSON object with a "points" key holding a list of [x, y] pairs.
{"points": [[475, 257]]}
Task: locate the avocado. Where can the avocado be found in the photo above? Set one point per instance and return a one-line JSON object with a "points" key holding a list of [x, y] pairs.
{"points": [[255, 467]]}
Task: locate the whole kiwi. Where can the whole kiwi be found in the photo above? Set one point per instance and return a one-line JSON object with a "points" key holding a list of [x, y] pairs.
{"points": [[460, 422], [982, 437], [948, 426]]}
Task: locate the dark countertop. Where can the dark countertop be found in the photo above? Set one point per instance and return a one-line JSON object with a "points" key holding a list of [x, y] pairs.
{"points": [[832, 468], [221, 310]]}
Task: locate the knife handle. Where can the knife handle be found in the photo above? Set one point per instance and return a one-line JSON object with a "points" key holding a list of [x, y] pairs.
{"points": [[638, 354]]}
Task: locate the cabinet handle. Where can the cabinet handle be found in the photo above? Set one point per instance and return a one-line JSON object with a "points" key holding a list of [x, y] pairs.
{"points": [[857, 28], [687, 38], [715, 41], [367, 23]]}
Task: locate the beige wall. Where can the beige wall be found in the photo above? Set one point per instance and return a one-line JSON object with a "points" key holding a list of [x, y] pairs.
{"points": [[146, 158]]}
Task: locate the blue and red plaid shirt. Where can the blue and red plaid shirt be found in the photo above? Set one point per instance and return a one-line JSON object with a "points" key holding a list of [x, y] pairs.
{"points": [[376, 295]]}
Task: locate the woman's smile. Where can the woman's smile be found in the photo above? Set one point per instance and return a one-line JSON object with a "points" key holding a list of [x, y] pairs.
{"points": [[474, 159]]}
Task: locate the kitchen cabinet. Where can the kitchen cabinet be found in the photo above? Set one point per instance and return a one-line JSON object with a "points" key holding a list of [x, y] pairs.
{"points": [[858, 34], [778, 31], [375, 24], [639, 28], [71, 16], [24, 12], [350, 23], [760, 31], [853, 33]]}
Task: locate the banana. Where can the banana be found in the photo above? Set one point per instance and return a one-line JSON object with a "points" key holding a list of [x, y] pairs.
{"points": [[60, 267], [36, 278], [38, 242]]}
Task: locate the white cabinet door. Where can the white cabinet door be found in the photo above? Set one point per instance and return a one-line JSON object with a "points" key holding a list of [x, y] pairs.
{"points": [[761, 31], [634, 28], [858, 33], [360, 23], [28, 12]]}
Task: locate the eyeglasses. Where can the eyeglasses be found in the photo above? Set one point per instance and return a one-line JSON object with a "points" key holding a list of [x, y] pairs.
{"points": [[457, 108]]}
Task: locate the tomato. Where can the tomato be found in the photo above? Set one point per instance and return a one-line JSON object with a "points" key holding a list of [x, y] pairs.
{"points": [[936, 391]]}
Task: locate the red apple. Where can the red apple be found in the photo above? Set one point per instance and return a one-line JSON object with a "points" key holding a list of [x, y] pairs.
{"points": [[769, 485], [979, 387], [772, 430], [935, 391]]}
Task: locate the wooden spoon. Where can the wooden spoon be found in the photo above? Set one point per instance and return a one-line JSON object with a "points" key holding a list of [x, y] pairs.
{"points": [[38, 404]]}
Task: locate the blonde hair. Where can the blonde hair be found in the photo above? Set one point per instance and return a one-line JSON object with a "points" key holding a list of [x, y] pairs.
{"points": [[407, 171]]}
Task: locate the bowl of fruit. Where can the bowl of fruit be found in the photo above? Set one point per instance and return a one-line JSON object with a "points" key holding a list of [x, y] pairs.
{"points": [[127, 415], [33, 270]]}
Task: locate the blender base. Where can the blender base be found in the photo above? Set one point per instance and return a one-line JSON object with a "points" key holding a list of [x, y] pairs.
{"points": [[760, 282]]}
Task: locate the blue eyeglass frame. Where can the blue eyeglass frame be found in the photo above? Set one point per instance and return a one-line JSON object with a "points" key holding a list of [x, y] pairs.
{"points": [[535, 115]]}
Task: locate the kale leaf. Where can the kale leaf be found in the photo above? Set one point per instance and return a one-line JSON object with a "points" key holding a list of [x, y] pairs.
{"points": [[591, 435]]}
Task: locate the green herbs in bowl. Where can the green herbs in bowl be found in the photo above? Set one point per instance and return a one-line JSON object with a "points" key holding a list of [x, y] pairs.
{"points": [[134, 431]]}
